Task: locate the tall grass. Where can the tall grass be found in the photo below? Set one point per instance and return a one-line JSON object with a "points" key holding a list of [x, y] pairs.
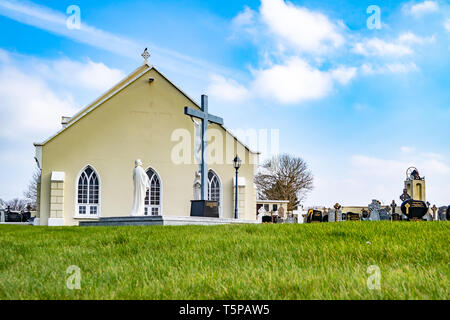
{"points": [[317, 261]]}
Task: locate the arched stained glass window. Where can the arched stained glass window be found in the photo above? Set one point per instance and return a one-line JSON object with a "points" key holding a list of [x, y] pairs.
{"points": [[88, 197], [153, 196], [214, 191]]}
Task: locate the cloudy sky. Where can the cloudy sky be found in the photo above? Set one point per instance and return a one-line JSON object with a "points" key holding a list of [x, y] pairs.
{"points": [[359, 104]]}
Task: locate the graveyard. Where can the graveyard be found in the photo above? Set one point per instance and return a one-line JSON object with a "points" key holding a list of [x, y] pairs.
{"points": [[269, 261]]}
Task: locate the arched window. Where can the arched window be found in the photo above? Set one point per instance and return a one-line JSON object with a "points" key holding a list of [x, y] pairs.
{"points": [[153, 196], [214, 191], [88, 197]]}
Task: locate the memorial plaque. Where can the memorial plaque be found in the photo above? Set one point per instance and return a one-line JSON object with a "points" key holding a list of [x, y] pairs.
{"points": [[351, 216], [266, 219], [314, 216], [414, 210], [13, 216], [204, 208], [396, 217]]}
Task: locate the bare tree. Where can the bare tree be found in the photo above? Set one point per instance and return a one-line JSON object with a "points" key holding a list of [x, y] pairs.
{"points": [[31, 192], [284, 177], [17, 204]]}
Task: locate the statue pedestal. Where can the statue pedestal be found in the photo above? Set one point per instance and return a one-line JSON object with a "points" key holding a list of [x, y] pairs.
{"points": [[204, 208]]}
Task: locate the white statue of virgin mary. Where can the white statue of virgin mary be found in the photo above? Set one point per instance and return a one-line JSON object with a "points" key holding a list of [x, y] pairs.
{"points": [[141, 185]]}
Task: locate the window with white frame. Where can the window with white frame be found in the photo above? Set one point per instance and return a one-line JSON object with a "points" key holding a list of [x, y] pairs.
{"points": [[88, 197], [153, 196], [213, 187]]}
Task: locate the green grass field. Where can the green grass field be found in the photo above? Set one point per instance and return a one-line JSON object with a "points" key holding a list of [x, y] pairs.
{"points": [[316, 261]]}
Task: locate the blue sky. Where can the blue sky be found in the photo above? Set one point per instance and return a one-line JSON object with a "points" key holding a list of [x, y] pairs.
{"points": [[360, 105]]}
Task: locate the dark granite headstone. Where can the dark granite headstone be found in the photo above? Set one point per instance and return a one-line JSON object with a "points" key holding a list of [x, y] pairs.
{"points": [[414, 210], [351, 216], [314, 216], [266, 219], [13, 216], [448, 213], [396, 217]]}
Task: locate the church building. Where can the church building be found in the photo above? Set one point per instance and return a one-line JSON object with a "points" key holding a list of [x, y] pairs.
{"points": [[87, 166]]}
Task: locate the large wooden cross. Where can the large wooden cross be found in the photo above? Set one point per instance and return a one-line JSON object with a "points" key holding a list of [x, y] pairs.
{"points": [[206, 118]]}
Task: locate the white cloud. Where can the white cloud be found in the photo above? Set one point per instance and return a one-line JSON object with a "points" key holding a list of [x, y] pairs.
{"points": [[226, 89], [87, 75], [244, 18], [389, 68], [36, 112], [53, 21], [293, 81], [405, 149], [344, 74], [379, 47], [49, 86], [300, 28], [447, 25], [411, 38], [422, 8], [402, 46]]}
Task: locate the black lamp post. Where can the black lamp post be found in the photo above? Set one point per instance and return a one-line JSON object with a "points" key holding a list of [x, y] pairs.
{"points": [[237, 164]]}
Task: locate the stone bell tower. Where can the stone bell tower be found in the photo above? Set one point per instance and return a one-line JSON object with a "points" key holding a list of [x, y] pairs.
{"points": [[415, 185]]}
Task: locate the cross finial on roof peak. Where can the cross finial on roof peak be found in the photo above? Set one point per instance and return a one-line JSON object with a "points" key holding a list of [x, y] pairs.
{"points": [[145, 55]]}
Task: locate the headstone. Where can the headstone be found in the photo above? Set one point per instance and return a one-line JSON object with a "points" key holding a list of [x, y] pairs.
{"points": [[261, 213], [13, 216], [365, 215], [384, 215], [414, 210], [266, 219], [434, 209], [2, 216], [290, 220], [281, 211], [314, 216], [351, 216], [405, 196], [448, 213], [374, 209], [335, 215], [394, 216], [442, 214], [428, 217]]}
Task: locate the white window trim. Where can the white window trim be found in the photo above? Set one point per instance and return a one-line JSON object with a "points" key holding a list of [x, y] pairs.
{"points": [[160, 193], [220, 193], [88, 216]]}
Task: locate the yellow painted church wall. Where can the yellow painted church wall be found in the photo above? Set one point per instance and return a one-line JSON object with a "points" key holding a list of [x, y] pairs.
{"points": [[138, 122]]}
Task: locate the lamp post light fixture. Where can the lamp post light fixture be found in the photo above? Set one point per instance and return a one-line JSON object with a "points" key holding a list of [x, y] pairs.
{"points": [[237, 164]]}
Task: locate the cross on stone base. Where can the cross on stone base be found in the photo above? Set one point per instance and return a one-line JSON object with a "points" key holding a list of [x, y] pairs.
{"points": [[206, 118]]}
